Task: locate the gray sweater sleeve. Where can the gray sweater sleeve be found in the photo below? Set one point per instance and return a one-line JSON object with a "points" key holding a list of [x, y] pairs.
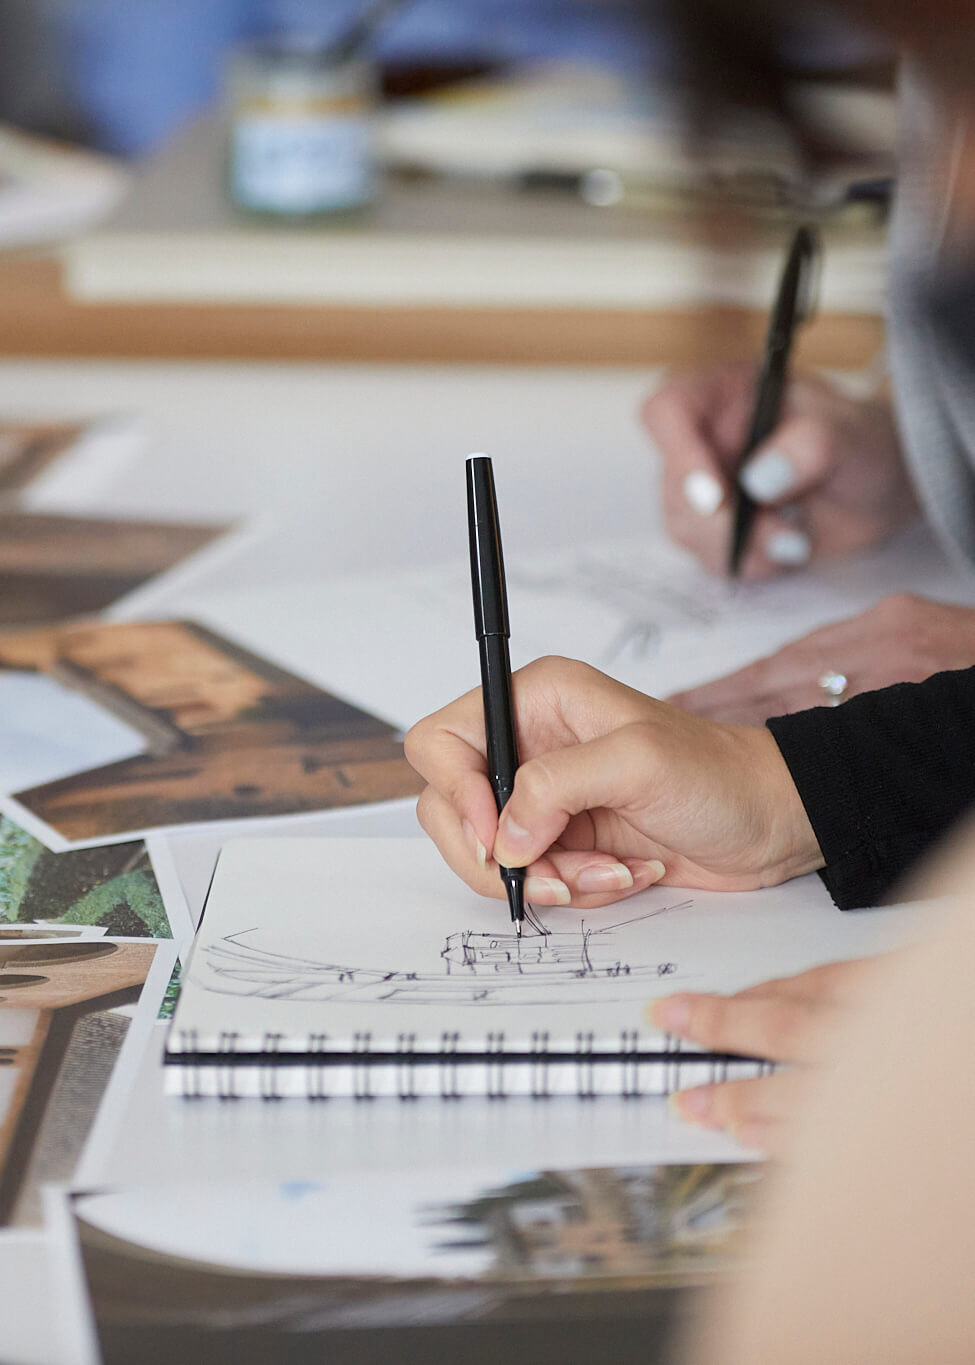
{"points": [[934, 394]]}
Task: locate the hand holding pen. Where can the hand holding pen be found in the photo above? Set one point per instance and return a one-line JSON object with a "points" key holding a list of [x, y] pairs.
{"points": [[829, 478]]}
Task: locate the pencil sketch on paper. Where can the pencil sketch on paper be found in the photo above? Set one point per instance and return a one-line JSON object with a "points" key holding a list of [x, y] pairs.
{"points": [[647, 597], [541, 967]]}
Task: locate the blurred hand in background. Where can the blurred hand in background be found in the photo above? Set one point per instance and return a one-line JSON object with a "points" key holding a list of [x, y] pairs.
{"points": [[829, 480], [904, 638]]}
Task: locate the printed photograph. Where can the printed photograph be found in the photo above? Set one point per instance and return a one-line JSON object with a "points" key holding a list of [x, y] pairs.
{"points": [[167, 1006], [55, 567], [544, 1263], [28, 448], [112, 889], [214, 732], [64, 1015]]}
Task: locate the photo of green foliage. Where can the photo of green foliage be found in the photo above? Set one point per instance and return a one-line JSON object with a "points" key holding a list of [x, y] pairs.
{"points": [[168, 1003], [113, 887]]}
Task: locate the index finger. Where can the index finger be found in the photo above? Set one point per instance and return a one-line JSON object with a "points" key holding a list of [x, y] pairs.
{"points": [[448, 750], [776, 1028], [831, 983], [677, 426]]}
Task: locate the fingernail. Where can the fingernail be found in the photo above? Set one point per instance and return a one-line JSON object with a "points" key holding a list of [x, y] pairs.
{"points": [[538, 888], [605, 877], [788, 547], [513, 836], [671, 1015], [695, 1105], [703, 492], [654, 868], [477, 848], [753, 1135], [768, 476]]}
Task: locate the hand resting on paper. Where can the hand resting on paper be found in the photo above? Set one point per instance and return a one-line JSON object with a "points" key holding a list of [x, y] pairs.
{"points": [[786, 1021], [829, 480], [903, 638], [615, 791]]}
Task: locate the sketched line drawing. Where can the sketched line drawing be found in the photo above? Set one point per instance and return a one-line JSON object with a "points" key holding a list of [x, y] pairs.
{"points": [[648, 599], [544, 967]]}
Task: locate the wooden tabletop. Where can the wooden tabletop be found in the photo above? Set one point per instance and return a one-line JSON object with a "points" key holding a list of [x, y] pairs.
{"points": [[37, 318]]}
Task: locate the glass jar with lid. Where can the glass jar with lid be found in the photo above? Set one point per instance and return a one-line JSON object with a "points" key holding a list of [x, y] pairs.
{"points": [[302, 137]]}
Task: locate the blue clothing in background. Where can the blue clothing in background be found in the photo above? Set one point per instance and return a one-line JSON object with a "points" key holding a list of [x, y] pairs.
{"points": [[140, 68], [613, 32]]}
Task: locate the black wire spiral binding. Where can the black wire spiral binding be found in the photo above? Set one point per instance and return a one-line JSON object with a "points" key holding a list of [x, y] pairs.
{"points": [[494, 1050], [329, 1070], [585, 1068], [268, 1072], [449, 1088], [361, 1073], [673, 1047], [315, 1086], [539, 1067], [406, 1067], [226, 1077], [630, 1064]]}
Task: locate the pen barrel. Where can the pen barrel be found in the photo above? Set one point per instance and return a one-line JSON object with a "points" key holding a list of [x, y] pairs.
{"points": [[487, 560], [499, 717], [768, 401]]}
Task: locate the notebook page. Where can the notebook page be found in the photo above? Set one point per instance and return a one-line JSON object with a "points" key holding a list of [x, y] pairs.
{"points": [[348, 937]]}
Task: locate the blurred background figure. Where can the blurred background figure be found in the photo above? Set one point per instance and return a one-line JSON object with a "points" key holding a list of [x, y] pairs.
{"points": [[866, 1252], [123, 76]]}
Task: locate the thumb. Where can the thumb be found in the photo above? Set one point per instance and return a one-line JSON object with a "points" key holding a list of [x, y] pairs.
{"points": [[798, 457], [549, 790]]}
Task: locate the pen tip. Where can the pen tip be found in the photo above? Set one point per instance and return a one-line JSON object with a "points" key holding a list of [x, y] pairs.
{"points": [[514, 883]]}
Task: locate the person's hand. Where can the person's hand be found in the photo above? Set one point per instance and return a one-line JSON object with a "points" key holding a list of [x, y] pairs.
{"points": [[904, 638], [830, 479], [779, 1021], [615, 791]]}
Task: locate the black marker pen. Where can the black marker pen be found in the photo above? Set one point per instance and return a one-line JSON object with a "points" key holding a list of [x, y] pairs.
{"points": [[491, 628], [793, 306]]}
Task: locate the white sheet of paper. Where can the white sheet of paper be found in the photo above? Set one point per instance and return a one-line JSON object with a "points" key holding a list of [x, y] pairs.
{"points": [[369, 1226], [638, 608], [313, 936], [190, 856], [82, 477], [31, 1333], [48, 732], [389, 1223]]}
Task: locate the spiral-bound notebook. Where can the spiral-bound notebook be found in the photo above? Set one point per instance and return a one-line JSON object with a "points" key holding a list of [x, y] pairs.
{"points": [[363, 967]]}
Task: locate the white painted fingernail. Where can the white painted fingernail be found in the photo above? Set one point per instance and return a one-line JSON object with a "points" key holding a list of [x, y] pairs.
{"points": [[703, 492], [769, 476], [789, 548], [538, 887]]}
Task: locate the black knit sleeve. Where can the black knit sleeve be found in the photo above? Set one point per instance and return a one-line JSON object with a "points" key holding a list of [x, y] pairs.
{"points": [[882, 777]]}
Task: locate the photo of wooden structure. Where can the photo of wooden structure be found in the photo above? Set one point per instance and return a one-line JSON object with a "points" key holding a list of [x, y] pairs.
{"points": [[228, 735], [53, 567], [56, 998], [27, 449]]}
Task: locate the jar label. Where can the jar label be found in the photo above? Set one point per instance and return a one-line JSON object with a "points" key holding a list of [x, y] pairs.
{"points": [[302, 165]]}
